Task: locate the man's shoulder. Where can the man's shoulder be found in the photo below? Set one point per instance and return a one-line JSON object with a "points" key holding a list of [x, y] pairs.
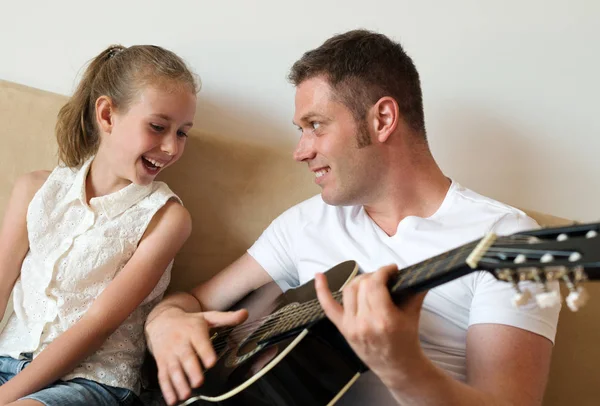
{"points": [[469, 198], [503, 218]]}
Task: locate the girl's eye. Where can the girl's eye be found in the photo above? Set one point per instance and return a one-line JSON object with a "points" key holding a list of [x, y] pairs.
{"points": [[181, 134], [157, 127]]}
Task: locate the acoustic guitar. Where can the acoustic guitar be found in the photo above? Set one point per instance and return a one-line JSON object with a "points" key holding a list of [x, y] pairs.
{"points": [[289, 354]]}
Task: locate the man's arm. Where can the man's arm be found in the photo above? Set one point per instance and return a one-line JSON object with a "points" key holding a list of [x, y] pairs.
{"points": [[177, 329], [505, 365]]}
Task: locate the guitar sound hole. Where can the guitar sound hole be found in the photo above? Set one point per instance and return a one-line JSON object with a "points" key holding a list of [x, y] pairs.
{"points": [[249, 345], [276, 321]]}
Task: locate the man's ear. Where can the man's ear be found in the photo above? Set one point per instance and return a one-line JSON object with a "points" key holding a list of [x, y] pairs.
{"points": [[105, 114], [385, 118]]}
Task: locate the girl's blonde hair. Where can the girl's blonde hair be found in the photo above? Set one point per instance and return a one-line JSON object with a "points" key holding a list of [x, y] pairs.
{"points": [[118, 73]]}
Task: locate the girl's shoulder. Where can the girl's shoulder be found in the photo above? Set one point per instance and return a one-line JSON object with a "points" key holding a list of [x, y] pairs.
{"points": [[36, 177], [60, 177], [27, 185], [161, 191], [32, 181]]}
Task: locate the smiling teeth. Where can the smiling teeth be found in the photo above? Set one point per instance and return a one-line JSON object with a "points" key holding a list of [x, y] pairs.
{"points": [[153, 162], [321, 172]]}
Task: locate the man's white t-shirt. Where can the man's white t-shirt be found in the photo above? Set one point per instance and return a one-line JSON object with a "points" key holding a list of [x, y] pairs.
{"points": [[313, 236]]}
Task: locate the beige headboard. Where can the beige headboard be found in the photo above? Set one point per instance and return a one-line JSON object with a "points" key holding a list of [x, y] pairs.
{"points": [[233, 191]]}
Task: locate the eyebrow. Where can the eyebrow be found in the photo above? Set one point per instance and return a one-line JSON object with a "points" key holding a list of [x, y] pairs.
{"points": [[306, 117], [165, 117]]}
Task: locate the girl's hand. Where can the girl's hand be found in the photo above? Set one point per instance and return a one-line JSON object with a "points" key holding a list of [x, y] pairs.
{"points": [[180, 343]]}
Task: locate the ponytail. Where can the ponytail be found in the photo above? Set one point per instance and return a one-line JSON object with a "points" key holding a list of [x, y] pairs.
{"points": [[117, 72]]}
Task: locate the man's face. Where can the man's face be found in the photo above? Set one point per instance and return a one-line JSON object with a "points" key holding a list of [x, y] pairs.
{"points": [[346, 172]]}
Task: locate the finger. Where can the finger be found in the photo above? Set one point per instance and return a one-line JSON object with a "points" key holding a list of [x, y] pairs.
{"points": [[413, 304], [164, 381], [179, 381], [204, 348], [379, 296], [350, 298], [364, 291], [386, 272], [193, 370], [221, 319], [333, 310]]}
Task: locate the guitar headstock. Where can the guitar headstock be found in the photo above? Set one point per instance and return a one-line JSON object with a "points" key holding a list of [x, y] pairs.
{"points": [[570, 255]]}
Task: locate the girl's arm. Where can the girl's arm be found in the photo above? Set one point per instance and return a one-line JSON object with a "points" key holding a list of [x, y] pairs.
{"points": [[13, 235], [165, 235]]}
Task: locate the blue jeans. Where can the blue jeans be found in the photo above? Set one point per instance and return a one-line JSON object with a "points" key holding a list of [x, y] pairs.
{"points": [[76, 392]]}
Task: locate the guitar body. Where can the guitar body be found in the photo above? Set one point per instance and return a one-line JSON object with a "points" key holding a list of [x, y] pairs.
{"points": [[312, 366]]}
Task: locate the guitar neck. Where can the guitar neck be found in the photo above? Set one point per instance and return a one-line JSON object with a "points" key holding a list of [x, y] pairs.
{"points": [[415, 278], [432, 272], [568, 254]]}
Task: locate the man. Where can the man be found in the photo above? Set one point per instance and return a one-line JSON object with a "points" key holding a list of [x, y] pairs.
{"points": [[384, 200]]}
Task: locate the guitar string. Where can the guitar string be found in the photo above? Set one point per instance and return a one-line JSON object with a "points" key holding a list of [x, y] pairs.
{"points": [[311, 308], [307, 308], [297, 314], [314, 311], [311, 305], [300, 308]]}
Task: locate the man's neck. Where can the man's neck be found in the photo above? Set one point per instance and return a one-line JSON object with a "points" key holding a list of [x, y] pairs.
{"points": [[419, 192]]}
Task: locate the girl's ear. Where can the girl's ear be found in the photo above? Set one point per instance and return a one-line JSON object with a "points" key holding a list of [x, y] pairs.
{"points": [[104, 114]]}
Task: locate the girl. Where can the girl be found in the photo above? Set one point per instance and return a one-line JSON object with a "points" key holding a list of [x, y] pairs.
{"points": [[91, 244]]}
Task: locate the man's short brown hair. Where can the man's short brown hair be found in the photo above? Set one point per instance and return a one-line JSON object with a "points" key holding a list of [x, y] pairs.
{"points": [[362, 67]]}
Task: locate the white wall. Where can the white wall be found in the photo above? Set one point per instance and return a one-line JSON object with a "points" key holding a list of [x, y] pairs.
{"points": [[510, 86]]}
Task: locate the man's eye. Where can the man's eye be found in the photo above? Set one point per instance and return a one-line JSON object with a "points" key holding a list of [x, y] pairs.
{"points": [[315, 125], [156, 127]]}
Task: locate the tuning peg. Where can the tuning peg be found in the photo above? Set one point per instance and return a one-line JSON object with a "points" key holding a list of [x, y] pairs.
{"points": [[562, 237], [577, 298], [547, 257], [521, 297], [549, 298], [520, 259], [591, 234]]}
